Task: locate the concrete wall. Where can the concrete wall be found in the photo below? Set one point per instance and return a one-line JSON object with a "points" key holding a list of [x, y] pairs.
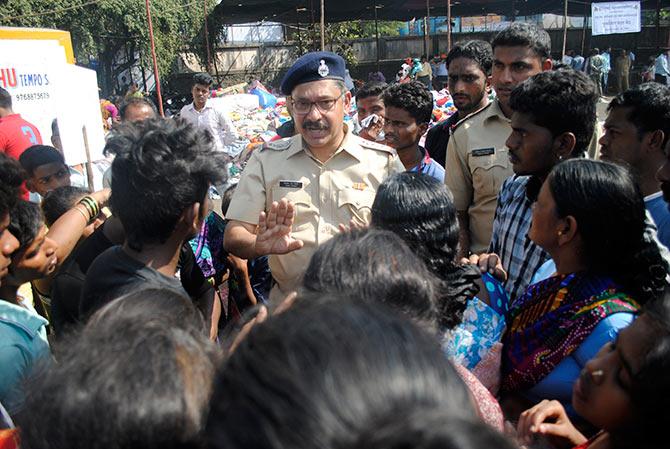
{"points": [[268, 62]]}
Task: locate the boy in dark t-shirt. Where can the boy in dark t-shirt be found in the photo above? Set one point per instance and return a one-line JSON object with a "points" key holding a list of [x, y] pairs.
{"points": [[160, 179], [69, 281]]}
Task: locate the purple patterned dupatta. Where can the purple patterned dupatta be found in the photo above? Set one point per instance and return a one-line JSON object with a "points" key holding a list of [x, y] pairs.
{"points": [[551, 320]]}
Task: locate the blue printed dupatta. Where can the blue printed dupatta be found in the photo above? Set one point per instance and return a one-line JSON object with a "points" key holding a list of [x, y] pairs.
{"points": [[551, 320]]}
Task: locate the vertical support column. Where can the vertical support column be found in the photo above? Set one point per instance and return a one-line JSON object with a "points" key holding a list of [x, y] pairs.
{"points": [[565, 26], [153, 56], [323, 26]]}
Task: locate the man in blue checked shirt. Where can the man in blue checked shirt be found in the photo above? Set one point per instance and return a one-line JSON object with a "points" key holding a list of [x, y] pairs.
{"points": [[553, 115]]}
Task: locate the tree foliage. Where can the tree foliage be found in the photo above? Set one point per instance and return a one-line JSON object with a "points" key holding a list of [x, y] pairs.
{"points": [[340, 36], [101, 29]]}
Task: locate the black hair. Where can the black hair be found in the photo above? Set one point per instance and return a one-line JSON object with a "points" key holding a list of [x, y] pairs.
{"points": [[202, 78], [26, 221], [377, 266], [226, 198], [11, 178], [128, 384], [420, 209], [649, 105], [558, 65], [422, 428], [478, 51], [610, 213], [162, 306], [560, 101], [61, 200], [161, 168], [651, 382], [413, 97], [134, 102], [38, 155], [370, 89], [595, 51], [5, 99], [320, 373], [521, 34]]}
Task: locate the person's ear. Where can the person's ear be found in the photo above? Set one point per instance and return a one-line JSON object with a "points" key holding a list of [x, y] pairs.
{"points": [[547, 64], [654, 140], [422, 129], [191, 218], [347, 102], [568, 230], [564, 144]]}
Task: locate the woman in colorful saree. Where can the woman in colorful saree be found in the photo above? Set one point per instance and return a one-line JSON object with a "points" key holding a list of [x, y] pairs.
{"points": [[590, 217]]}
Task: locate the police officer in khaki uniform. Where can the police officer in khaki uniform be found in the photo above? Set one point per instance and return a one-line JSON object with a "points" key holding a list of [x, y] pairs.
{"points": [[294, 193], [477, 159]]}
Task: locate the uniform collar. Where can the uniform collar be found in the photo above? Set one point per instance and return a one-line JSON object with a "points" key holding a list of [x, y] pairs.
{"points": [[494, 111], [348, 144]]}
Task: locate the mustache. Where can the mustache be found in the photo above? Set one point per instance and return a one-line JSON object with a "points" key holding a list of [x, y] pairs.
{"points": [[318, 126]]}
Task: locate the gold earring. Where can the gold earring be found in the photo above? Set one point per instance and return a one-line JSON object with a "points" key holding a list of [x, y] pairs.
{"points": [[597, 375]]}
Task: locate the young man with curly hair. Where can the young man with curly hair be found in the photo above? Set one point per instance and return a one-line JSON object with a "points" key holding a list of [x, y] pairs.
{"points": [[553, 118], [409, 108], [161, 174]]}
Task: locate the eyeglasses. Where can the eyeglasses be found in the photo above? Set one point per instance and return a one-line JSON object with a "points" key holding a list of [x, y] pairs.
{"points": [[303, 107]]}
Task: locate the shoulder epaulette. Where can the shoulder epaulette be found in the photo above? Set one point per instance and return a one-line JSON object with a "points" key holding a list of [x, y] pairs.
{"points": [[375, 146], [278, 145], [471, 115]]}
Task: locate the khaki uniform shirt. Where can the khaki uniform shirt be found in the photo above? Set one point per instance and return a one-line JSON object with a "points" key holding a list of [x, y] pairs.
{"points": [[324, 194], [477, 164]]}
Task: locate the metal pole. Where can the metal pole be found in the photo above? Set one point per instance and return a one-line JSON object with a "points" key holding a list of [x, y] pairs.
{"points": [[426, 30], [565, 26], [586, 21], [658, 25], [377, 36], [297, 25], [209, 54], [513, 11], [323, 26], [448, 26], [153, 56]]}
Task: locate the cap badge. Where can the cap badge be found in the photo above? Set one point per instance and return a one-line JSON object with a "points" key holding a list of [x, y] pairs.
{"points": [[323, 68]]}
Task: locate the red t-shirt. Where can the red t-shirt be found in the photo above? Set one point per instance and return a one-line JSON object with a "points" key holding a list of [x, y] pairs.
{"points": [[16, 135]]}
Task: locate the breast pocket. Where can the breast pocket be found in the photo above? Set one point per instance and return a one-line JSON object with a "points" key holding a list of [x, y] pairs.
{"points": [[356, 204], [302, 201], [489, 172]]}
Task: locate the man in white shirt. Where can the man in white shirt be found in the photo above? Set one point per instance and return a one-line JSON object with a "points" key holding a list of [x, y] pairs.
{"points": [[204, 116]]}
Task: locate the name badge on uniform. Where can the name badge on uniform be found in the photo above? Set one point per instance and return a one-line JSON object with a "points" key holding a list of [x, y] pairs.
{"points": [[291, 184], [483, 152]]}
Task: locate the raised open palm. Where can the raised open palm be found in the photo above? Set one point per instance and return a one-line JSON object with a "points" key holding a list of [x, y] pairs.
{"points": [[274, 229]]}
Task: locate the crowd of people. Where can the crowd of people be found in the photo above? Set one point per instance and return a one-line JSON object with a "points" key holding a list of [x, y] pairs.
{"points": [[499, 280]]}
